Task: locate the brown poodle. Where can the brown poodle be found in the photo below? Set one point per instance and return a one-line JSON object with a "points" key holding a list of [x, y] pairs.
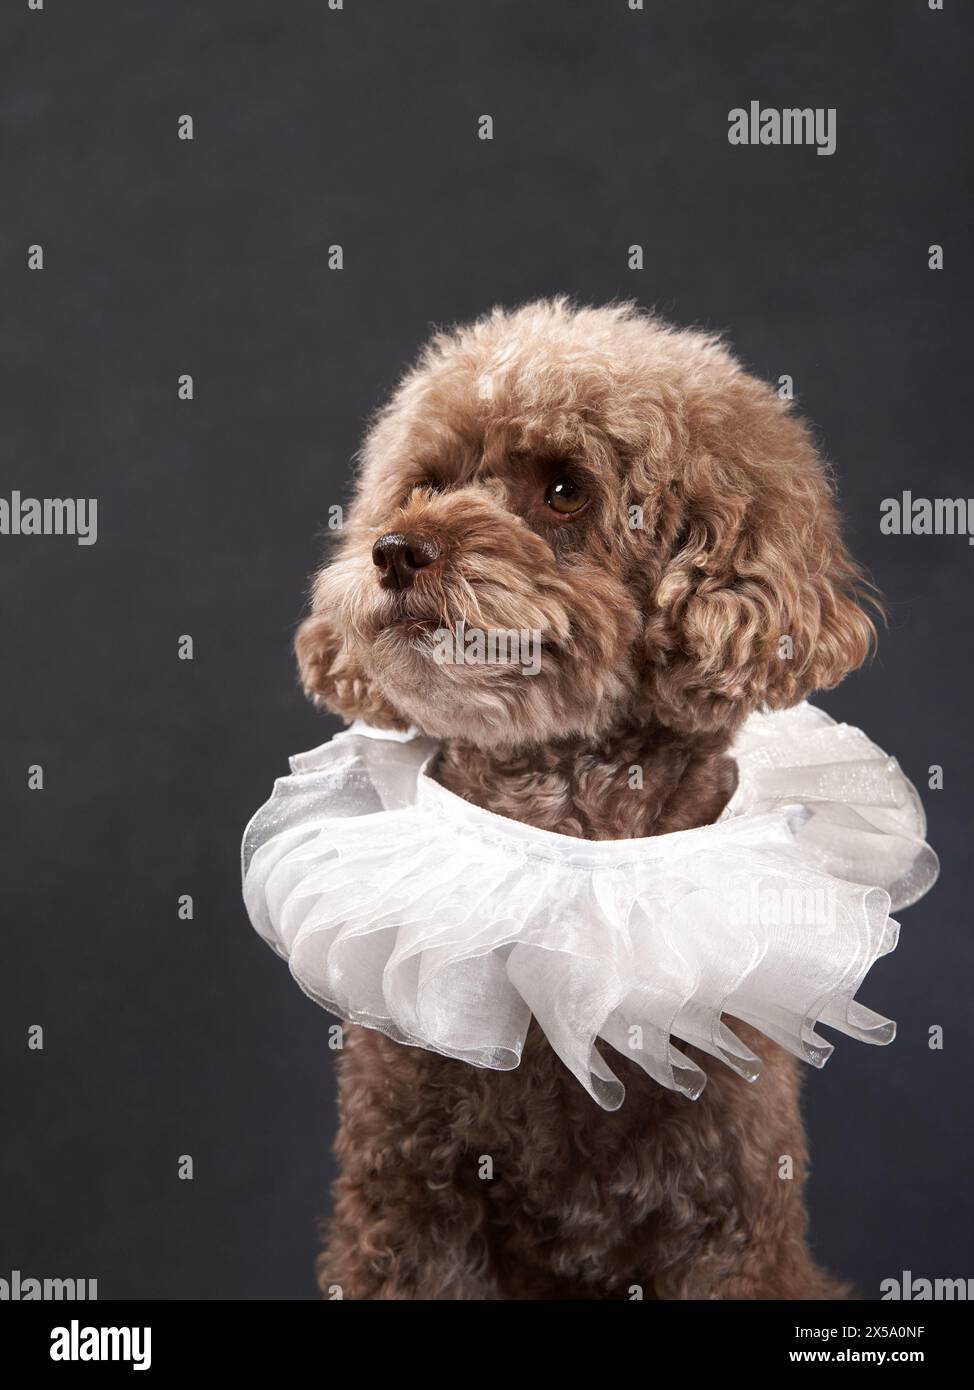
{"points": [[663, 519]]}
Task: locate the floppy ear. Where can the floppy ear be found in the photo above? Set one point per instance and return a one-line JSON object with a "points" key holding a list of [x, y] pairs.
{"points": [[760, 603], [332, 677]]}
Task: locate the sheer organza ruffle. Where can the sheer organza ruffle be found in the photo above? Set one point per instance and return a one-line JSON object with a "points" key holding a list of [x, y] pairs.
{"points": [[402, 907]]}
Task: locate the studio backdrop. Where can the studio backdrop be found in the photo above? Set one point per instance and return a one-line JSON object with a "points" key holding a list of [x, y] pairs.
{"points": [[229, 225]]}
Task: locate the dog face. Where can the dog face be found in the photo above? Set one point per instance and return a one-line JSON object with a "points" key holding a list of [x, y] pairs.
{"points": [[568, 519]]}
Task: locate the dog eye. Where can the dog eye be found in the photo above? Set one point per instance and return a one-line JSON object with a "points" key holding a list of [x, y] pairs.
{"points": [[565, 496]]}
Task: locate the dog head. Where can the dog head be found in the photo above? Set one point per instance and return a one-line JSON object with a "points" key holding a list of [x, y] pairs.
{"points": [[569, 518]]}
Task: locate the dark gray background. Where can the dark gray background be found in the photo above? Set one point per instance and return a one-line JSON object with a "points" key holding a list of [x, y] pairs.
{"points": [[164, 257]]}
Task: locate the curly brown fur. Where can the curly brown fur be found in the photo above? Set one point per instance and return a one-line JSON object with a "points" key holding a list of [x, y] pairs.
{"points": [[674, 1198], [707, 533]]}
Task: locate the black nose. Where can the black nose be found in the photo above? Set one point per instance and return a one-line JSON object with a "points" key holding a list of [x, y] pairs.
{"points": [[399, 557]]}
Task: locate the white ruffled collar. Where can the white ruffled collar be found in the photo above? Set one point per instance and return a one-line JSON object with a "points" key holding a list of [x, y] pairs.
{"points": [[403, 907]]}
